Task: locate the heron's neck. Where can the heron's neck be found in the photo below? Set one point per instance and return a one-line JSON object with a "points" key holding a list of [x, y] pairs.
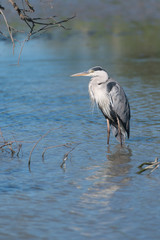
{"points": [[97, 90]]}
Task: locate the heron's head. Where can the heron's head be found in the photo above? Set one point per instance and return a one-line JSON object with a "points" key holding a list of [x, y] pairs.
{"points": [[93, 72]]}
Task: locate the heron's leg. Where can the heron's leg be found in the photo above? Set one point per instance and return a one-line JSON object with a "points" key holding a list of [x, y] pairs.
{"points": [[108, 131], [119, 131]]}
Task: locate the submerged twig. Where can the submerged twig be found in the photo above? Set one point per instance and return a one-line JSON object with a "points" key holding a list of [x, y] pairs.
{"points": [[50, 147], [150, 166], [19, 149], [6, 144], [9, 144], [67, 154], [29, 161], [68, 145]]}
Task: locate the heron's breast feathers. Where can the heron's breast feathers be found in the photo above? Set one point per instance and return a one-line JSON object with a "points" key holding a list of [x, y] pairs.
{"points": [[99, 95]]}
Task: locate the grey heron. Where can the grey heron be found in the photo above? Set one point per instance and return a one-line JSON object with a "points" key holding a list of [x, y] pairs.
{"points": [[112, 101]]}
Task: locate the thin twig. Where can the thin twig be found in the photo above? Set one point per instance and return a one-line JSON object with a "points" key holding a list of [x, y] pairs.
{"points": [[19, 145], [67, 154], [29, 5], [6, 144], [150, 166], [19, 149], [29, 161], [36, 25], [8, 28], [21, 49], [2, 135], [50, 147]]}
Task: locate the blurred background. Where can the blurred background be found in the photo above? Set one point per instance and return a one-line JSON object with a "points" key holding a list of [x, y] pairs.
{"points": [[97, 194]]}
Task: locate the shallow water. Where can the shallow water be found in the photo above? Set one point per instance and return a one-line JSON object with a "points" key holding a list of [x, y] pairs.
{"points": [[97, 195]]}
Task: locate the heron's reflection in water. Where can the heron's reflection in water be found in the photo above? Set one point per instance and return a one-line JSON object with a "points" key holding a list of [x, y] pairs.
{"points": [[109, 177], [118, 161]]}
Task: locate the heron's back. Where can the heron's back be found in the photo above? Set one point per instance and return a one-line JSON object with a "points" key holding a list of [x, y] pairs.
{"points": [[119, 106]]}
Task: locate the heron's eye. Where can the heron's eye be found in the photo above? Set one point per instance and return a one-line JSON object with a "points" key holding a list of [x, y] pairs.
{"points": [[91, 71]]}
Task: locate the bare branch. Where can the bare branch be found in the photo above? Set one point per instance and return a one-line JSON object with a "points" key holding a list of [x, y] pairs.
{"points": [[150, 166], [35, 25], [29, 161], [51, 147], [2, 135], [67, 154], [6, 144], [9, 29], [17, 9], [29, 5], [21, 50], [10, 144], [32, 22]]}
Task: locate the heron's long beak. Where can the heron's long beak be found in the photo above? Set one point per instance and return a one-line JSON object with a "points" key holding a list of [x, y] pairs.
{"points": [[80, 74]]}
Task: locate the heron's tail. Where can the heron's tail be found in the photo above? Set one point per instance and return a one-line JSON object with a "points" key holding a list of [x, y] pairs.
{"points": [[117, 135]]}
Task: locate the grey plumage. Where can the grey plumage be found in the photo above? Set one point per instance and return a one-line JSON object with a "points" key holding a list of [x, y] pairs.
{"points": [[112, 101], [119, 107]]}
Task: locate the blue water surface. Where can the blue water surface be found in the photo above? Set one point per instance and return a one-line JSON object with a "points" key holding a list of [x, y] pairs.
{"points": [[97, 194]]}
